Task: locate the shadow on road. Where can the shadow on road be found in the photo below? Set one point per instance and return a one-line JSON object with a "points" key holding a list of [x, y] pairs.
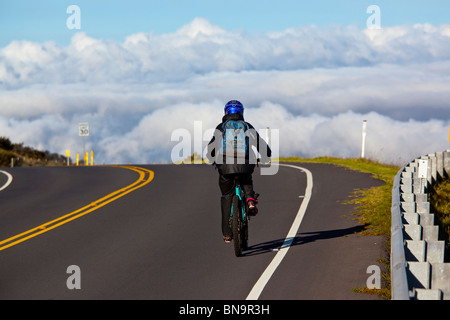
{"points": [[303, 238]]}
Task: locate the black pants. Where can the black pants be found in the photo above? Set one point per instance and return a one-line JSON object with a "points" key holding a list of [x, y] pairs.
{"points": [[226, 184]]}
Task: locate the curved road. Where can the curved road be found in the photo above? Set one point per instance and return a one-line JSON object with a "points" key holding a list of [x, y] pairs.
{"points": [[153, 232]]}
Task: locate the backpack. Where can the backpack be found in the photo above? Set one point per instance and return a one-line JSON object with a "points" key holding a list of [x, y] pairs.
{"points": [[235, 143]]}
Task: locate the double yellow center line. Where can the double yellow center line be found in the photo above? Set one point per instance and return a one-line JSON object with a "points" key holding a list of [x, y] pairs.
{"points": [[145, 176]]}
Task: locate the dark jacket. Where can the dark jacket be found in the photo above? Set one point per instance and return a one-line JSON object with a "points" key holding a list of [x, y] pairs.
{"points": [[250, 161]]}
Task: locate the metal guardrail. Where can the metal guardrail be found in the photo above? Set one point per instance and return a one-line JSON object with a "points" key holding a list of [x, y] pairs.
{"points": [[418, 271], [399, 282]]}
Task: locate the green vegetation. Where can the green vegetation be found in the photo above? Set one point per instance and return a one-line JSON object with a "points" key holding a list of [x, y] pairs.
{"points": [[440, 206], [194, 158], [24, 156], [373, 205]]}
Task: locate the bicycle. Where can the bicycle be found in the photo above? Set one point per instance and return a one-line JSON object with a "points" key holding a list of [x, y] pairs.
{"points": [[239, 219]]}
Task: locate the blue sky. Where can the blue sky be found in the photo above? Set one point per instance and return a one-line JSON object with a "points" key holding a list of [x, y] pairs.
{"points": [[309, 68], [45, 20]]}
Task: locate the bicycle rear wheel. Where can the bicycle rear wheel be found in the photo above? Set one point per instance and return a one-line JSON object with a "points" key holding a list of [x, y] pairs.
{"points": [[244, 234], [237, 227]]}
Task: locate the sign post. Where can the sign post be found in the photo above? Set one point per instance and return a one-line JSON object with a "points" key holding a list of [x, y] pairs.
{"points": [[83, 131]]}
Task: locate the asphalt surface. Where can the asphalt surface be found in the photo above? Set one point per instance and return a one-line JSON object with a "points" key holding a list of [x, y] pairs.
{"points": [[163, 240]]}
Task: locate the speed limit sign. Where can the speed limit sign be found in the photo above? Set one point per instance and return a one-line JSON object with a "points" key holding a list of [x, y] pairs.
{"points": [[83, 129]]}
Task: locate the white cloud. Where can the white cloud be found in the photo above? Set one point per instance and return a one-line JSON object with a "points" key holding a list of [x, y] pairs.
{"points": [[316, 84]]}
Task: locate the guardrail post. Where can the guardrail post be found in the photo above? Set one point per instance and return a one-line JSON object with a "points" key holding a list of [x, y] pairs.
{"points": [[440, 165], [447, 163]]}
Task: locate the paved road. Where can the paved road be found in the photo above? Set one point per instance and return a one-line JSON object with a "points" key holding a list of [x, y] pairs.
{"points": [[157, 235]]}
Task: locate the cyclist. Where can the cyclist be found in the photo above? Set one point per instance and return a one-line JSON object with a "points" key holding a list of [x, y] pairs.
{"points": [[241, 163]]}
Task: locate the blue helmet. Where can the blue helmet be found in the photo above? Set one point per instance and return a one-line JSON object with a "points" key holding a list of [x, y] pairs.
{"points": [[234, 106]]}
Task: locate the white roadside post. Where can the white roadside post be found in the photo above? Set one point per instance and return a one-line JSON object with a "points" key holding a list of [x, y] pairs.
{"points": [[363, 147]]}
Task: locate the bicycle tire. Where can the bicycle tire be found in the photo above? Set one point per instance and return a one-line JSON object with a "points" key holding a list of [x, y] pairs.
{"points": [[244, 234], [237, 227]]}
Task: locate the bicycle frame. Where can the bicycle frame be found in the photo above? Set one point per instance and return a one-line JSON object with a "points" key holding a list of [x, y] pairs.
{"points": [[241, 201]]}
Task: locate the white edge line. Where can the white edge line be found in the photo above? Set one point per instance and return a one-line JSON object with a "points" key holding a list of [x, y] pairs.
{"points": [[10, 179], [267, 274]]}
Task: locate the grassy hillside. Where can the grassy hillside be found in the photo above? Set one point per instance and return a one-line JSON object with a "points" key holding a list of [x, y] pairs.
{"points": [[440, 206], [24, 156]]}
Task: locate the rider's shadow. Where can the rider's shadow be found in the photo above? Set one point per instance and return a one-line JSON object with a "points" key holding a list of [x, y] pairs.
{"points": [[302, 238]]}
